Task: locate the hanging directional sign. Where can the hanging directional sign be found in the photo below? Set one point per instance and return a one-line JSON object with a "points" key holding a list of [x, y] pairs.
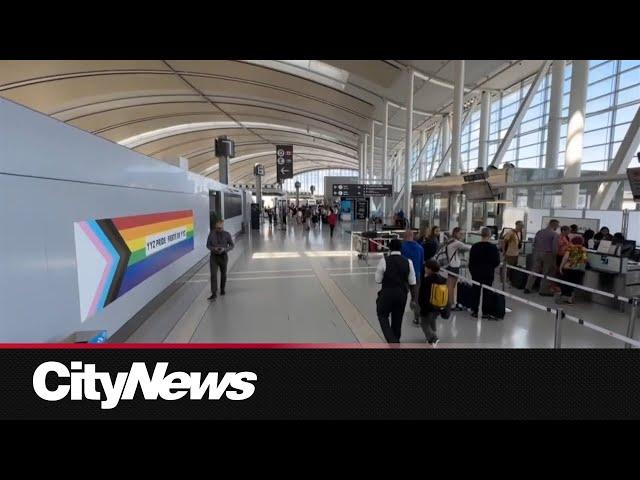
{"points": [[361, 190], [348, 190], [284, 162], [381, 190]]}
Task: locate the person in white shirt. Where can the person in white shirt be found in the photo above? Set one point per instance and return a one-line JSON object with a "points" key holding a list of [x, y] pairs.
{"points": [[397, 276], [455, 247]]}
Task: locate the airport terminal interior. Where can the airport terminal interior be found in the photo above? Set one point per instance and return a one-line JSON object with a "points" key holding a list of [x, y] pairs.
{"points": [[114, 176]]}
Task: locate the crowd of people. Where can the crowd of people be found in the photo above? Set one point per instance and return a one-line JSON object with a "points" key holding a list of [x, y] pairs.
{"points": [[310, 216], [564, 254], [413, 267]]}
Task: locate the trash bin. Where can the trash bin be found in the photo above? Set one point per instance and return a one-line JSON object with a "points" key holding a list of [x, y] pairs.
{"points": [[90, 336]]}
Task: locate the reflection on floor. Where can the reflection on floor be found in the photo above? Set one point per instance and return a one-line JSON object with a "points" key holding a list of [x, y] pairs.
{"points": [[305, 287]]}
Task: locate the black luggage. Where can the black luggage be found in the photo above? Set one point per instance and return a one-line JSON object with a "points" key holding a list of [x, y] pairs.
{"points": [[529, 264], [465, 295], [518, 278], [369, 234], [493, 304]]}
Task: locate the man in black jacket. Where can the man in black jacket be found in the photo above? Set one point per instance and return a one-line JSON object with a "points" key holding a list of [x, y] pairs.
{"points": [[219, 244], [396, 274], [484, 258]]}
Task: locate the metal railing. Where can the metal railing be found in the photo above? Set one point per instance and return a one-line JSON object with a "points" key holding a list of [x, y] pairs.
{"points": [[559, 314], [634, 301]]}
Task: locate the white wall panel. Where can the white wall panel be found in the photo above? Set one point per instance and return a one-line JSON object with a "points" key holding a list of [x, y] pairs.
{"points": [[52, 175]]}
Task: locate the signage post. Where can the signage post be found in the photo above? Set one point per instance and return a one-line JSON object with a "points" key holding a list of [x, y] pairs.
{"points": [[258, 171], [297, 185], [284, 162]]}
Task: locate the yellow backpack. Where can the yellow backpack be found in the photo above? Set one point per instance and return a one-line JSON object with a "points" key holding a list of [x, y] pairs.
{"points": [[439, 295]]}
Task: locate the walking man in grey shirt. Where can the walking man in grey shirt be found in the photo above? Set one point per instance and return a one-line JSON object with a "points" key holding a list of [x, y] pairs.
{"points": [[219, 243], [545, 248]]}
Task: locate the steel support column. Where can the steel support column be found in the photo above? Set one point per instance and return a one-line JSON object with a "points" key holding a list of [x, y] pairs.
{"points": [[408, 149], [456, 119], [555, 114], [575, 131], [373, 143], [364, 156], [485, 115], [385, 145]]}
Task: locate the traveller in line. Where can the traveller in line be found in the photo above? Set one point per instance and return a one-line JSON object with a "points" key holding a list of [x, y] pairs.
{"points": [[413, 251], [484, 258], [455, 247], [512, 246], [545, 248]]}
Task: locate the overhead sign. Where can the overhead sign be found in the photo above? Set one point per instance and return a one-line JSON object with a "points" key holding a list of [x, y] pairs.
{"points": [[472, 177], [378, 190], [348, 190], [633, 174], [361, 190], [284, 162]]}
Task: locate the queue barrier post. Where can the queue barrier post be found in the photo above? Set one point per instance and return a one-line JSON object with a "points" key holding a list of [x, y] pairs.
{"points": [[632, 320], [504, 274], [557, 341], [481, 301]]}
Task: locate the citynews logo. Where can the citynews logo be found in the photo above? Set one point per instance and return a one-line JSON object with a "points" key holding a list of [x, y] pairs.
{"points": [[84, 380]]}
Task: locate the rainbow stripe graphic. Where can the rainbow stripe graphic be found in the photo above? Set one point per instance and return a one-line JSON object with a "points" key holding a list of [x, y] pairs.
{"points": [[114, 255]]}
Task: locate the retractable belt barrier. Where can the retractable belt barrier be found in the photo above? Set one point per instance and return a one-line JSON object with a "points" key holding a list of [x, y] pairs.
{"points": [[506, 294], [575, 285], [558, 312]]}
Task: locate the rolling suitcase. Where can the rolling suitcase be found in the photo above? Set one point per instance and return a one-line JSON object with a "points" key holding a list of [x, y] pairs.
{"points": [[493, 304], [465, 295], [518, 279]]}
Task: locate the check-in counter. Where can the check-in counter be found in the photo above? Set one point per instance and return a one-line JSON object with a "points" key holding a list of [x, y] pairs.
{"points": [[614, 274]]}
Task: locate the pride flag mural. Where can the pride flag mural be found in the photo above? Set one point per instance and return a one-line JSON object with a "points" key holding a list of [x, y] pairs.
{"points": [[114, 255]]}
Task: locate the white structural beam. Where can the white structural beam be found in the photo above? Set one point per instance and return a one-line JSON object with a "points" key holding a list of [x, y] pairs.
{"points": [[364, 156], [555, 114], [524, 106], [626, 151], [456, 119], [575, 131], [435, 152], [385, 145], [416, 112], [423, 146], [446, 146], [408, 148], [373, 144], [483, 141], [359, 160], [437, 81]]}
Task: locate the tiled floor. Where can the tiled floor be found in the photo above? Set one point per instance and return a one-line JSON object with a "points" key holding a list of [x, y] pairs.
{"points": [[298, 286]]}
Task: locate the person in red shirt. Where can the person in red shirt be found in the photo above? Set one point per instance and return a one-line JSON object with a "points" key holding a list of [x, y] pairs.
{"points": [[563, 242], [331, 220]]}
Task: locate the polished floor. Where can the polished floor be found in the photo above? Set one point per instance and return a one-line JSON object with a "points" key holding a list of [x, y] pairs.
{"points": [[296, 286]]}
